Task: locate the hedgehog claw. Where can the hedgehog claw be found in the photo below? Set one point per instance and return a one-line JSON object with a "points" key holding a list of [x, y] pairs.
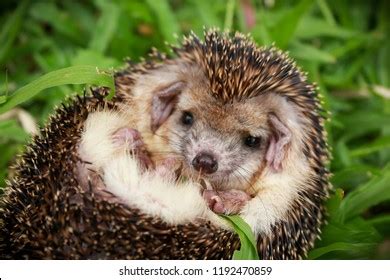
{"points": [[226, 202], [132, 140]]}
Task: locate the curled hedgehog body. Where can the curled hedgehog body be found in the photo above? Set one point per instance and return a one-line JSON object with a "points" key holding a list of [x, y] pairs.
{"points": [[45, 213]]}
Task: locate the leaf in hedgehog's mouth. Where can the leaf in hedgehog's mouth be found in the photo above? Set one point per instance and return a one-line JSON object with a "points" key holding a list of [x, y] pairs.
{"points": [[248, 248]]}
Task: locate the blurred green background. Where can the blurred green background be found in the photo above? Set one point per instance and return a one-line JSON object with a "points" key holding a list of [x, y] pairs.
{"points": [[343, 45]]}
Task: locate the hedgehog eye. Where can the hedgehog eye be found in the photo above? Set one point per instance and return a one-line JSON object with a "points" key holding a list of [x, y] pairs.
{"points": [[187, 118], [252, 142]]}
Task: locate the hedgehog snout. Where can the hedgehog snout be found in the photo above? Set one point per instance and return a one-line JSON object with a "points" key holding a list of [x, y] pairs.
{"points": [[205, 162]]}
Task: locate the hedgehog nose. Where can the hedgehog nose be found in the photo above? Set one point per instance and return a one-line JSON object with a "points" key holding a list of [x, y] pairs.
{"points": [[205, 162]]}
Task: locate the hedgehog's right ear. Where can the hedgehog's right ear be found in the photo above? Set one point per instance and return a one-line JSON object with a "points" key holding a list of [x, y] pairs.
{"points": [[163, 103]]}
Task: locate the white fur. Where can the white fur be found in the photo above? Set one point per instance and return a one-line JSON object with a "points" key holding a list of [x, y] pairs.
{"points": [[175, 203], [276, 194], [96, 144], [277, 191]]}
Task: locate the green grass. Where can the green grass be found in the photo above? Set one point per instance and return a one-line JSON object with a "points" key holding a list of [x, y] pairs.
{"points": [[248, 248], [343, 45]]}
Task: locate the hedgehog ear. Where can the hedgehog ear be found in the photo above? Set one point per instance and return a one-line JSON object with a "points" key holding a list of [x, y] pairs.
{"points": [[278, 142], [163, 103]]}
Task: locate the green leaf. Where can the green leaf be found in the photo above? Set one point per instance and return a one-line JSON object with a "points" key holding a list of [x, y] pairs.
{"points": [[284, 30], [342, 153], [94, 58], [358, 234], [334, 202], [248, 249], [7, 152], [105, 27], [313, 27], [70, 75], [229, 14], [166, 19], [207, 13], [373, 192], [338, 246], [361, 122], [262, 34], [355, 230], [375, 146], [384, 64], [49, 13], [327, 13], [10, 29], [3, 99], [354, 175], [353, 44], [342, 78], [310, 53], [381, 223], [11, 130]]}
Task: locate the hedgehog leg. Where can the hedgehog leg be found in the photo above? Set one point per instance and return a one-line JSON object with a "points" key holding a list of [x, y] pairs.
{"points": [[132, 140], [167, 168], [213, 201], [226, 202]]}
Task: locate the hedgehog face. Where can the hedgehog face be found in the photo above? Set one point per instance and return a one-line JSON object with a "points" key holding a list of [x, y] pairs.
{"points": [[227, 143], [223, 143]]}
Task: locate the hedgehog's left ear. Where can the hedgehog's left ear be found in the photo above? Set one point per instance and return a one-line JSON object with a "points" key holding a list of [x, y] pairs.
{"points": [[164, 99], [283, 121], [278, 141]]}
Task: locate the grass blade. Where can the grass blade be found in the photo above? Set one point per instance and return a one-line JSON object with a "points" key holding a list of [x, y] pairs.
{"points": [[310, 53], [105, 27], [378, 145], [47, 12], [326, 12], [375, 191], [248, 249], [166, 19], [11, 130], [310, 28], [229, 15], [10, 29], [207, 13], [381, 223], [69, 75], [339, 246], [284, 30]]}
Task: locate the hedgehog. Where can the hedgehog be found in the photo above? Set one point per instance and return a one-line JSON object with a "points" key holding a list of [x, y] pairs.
{"points": [[47, 213]]}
